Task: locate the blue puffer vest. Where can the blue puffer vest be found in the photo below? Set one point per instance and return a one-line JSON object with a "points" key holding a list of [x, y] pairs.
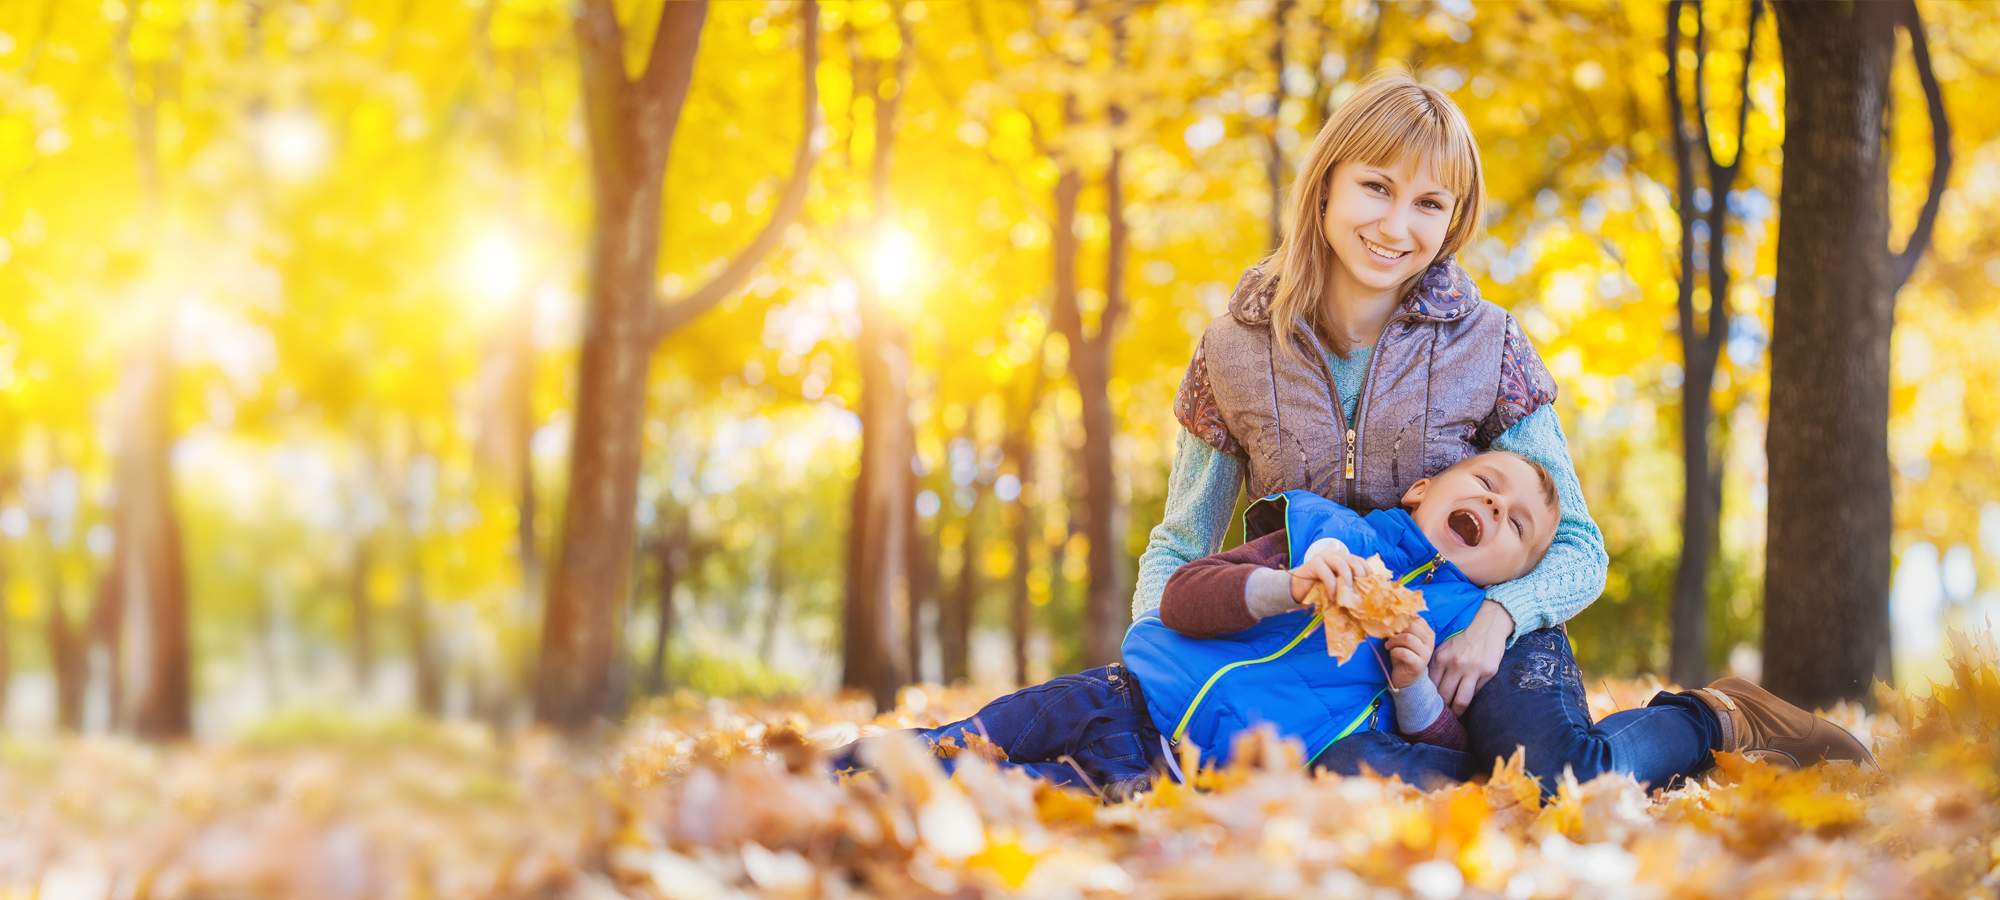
{"points": [[1207, 690]]}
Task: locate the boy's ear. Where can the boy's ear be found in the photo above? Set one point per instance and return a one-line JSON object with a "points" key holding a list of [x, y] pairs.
{"points": [[1415, 494]]}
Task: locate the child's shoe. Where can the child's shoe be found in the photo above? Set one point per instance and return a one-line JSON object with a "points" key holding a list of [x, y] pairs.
{"points": [[1757, 724]]}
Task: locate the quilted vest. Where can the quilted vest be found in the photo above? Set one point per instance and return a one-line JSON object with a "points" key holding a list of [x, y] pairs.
{"points": [[1433, 379]]}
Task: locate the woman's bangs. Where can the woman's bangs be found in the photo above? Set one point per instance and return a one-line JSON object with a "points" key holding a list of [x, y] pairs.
{"points": [[1422, 133]]}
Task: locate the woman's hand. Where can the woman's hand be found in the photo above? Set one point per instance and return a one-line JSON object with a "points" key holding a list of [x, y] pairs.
{"points": [[1465, 662]]}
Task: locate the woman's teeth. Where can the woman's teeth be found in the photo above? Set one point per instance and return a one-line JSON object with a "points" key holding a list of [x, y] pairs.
{"points": [[1383, 252]]}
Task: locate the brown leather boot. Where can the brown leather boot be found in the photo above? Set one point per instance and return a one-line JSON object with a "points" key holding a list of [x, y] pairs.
{"points": [[1757, 724]]}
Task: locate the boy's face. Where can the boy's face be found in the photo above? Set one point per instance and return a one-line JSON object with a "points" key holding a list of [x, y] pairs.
{"points": [[1487, 515]]}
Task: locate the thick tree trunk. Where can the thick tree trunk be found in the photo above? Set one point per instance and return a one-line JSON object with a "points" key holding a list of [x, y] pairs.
{"points": [[154, 583], [586, 592], [1826, 588], [872, 651], [878, 530]]}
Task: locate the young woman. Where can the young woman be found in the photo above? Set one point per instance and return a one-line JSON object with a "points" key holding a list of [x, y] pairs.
{"points": [[1358, 358]]}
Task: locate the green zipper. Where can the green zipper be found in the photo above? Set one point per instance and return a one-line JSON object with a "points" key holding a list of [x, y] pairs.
{"points": [[1180, 730]]}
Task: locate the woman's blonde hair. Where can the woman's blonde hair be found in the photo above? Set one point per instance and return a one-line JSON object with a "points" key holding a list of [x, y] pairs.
{"points": [[1390, 117]]}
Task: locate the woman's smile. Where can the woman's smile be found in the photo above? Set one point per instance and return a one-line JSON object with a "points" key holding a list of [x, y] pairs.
{"points": [[1384, 254]]}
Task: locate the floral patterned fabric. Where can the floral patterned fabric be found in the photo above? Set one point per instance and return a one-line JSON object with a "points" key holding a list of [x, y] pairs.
{"points": [[1525, 385]]}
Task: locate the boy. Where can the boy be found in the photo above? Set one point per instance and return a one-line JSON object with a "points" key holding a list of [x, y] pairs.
{"points": [[1230, 650]]}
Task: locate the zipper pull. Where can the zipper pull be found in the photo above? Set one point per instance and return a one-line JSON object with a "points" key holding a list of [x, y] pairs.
{"points": [[1432, 573], [1350, 454]]}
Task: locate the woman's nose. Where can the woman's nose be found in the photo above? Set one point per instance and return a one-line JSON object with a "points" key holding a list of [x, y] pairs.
{"points": [[1395, 224]]}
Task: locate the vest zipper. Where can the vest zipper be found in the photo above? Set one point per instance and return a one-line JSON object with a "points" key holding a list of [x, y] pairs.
{"points": [[1361, 412], [1180, 729]]}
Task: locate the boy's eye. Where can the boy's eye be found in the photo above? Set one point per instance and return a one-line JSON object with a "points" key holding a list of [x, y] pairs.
{"points": [[1519, 529], [1483, 482]]}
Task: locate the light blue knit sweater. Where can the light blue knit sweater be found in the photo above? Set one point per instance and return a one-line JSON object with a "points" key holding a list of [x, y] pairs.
{"points": [[1201, 493]]}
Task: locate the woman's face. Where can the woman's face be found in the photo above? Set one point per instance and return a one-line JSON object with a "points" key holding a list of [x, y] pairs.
{"points": [[1385, 223]]}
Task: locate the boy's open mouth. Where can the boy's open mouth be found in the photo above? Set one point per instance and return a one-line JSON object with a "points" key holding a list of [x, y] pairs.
{"points": [[1466, 526]]}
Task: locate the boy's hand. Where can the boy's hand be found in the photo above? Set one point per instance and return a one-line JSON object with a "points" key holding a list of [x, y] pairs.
{"points": [[1410, 653], [1328, 565]]}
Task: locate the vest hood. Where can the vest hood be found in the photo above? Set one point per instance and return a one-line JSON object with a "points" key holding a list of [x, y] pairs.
{"points": [[1443, 293]]}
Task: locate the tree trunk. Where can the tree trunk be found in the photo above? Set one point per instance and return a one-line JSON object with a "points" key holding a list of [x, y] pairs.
{"points": [[1826, 587], [105, 651], [668, 574], [630, 124], [878, 532], [922, 560], [360, 613], [955, 615], [1701, 339], [1020, 451], [154, 580], [880, 518], [1274, 160], [417, 631], [777, 581]]}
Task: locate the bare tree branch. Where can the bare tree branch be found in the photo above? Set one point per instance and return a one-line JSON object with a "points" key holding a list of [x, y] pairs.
{"points": [[676, 313], [1905, 261]]}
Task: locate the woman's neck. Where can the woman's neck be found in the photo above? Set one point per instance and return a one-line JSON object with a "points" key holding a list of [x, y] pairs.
{"points": [[1354, 312]]}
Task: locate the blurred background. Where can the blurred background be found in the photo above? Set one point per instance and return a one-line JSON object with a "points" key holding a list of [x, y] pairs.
{"points": [[315, 396]]}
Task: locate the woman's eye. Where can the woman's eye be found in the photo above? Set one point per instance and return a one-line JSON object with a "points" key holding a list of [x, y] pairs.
{"points": [[1375, 186], [1433, 206]]}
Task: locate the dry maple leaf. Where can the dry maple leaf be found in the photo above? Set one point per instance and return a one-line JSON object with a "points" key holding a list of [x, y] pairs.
{"points": [[1375, 606]]}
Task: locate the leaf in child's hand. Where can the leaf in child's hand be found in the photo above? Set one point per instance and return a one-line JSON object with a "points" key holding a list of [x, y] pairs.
{"points": [[1375, 606]]}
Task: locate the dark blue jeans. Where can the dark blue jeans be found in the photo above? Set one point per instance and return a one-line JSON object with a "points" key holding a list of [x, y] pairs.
{"points": [[1090, 729], [1535, 701]]}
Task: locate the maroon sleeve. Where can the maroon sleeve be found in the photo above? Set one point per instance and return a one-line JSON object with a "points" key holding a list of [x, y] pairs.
{"points": [[1444, 731], [1204, 598]]}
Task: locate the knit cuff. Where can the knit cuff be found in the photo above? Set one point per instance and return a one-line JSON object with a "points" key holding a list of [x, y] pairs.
{"points": [[1268, 592]]}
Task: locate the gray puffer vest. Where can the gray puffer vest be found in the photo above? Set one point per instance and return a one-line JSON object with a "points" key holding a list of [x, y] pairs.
{"points": [[1449, 373]]}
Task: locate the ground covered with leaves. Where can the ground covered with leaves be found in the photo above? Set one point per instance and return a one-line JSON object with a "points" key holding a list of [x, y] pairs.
{"points": [[703, 798]]}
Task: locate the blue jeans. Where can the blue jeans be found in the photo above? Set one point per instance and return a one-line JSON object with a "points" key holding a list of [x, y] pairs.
{"points": [[1535, 701], [1087, 730]]}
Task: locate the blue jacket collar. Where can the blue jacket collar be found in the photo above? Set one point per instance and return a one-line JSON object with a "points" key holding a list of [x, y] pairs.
{"points": [[1397, 526]]}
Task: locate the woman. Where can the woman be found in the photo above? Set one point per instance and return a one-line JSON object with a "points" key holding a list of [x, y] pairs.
{"points": [[1356, 304]]}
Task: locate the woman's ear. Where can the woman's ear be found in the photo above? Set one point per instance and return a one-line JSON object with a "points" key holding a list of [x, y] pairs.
{"points": [[1415, 494]]}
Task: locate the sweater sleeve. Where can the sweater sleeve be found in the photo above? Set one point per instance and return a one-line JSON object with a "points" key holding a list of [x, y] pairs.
{"points": [[1211, 596], [1201, 493], [1572, 574]]}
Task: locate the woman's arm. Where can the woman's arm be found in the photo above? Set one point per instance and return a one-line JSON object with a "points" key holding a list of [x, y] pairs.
{"points": [[1571, 575], [1201, 493]]}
